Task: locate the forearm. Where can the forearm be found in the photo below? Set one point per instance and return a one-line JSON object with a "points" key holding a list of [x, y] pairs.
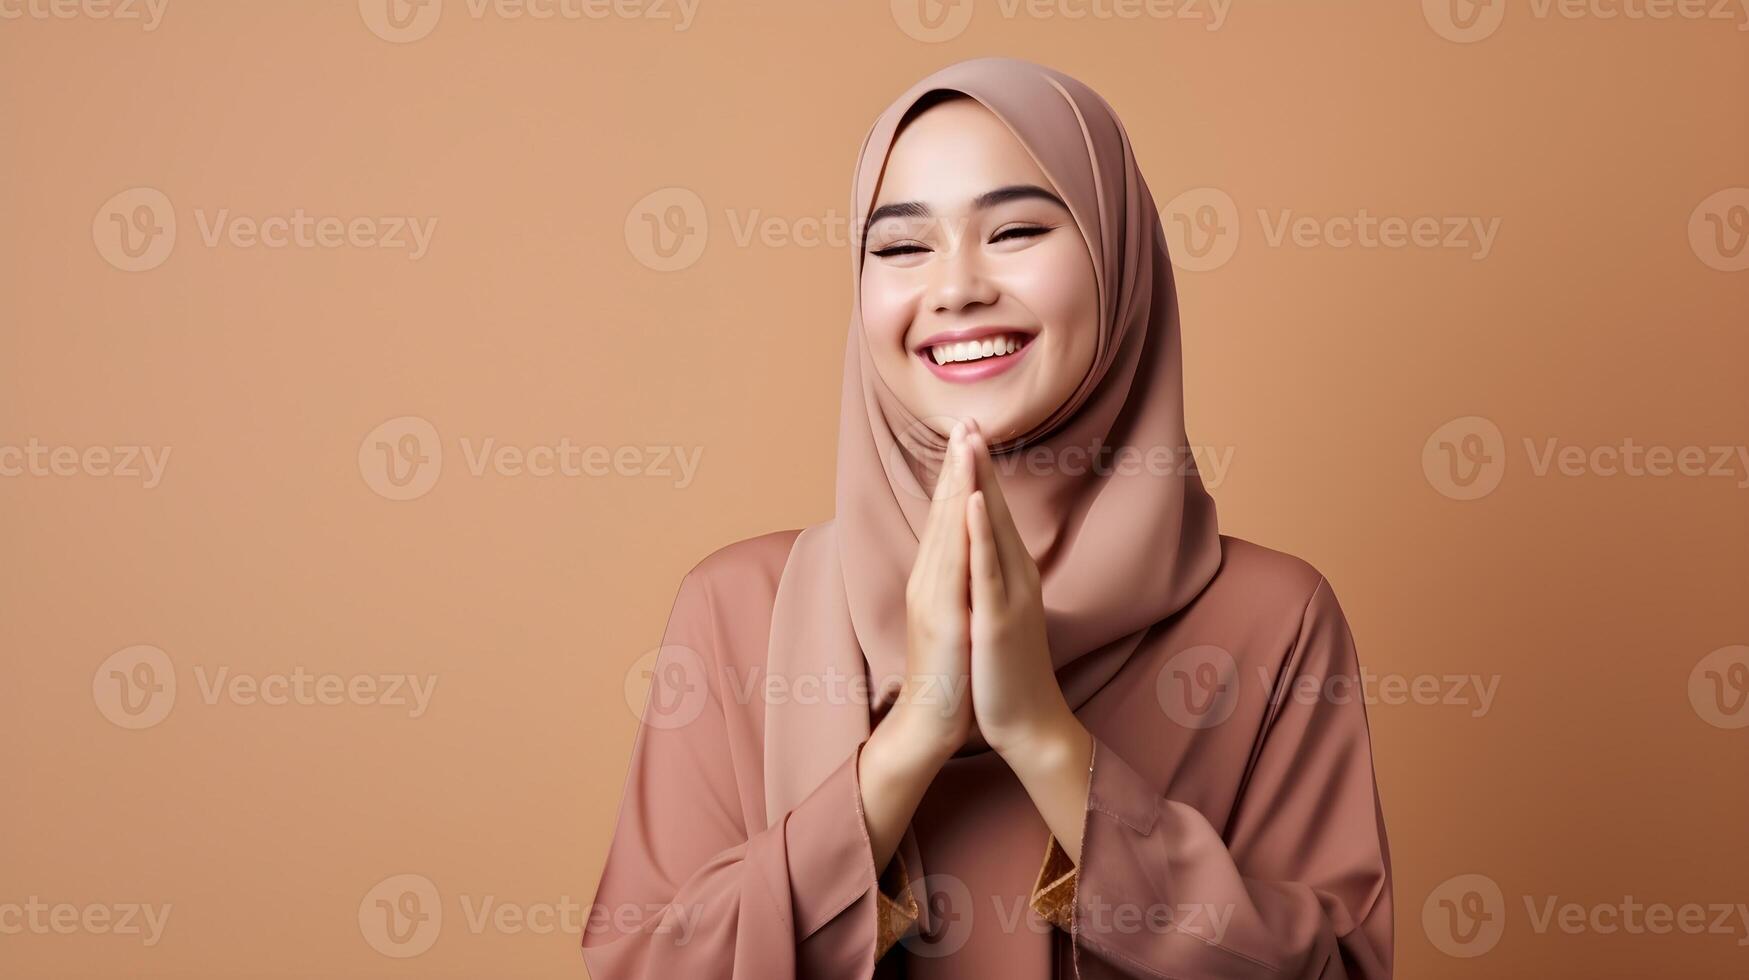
{"points": [[1053, 760], [895, 768]]}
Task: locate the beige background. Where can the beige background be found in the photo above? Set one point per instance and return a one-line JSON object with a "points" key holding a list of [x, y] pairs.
{"points": [[1613, 153]]}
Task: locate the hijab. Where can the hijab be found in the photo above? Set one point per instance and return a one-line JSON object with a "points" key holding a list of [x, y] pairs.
{"points": [[1119, 546]]}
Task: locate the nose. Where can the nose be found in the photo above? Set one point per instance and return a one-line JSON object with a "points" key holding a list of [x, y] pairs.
{"points": [[958, 278]]}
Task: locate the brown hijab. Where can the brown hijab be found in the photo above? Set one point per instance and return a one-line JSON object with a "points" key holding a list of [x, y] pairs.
{"points": [[1122, 541]]}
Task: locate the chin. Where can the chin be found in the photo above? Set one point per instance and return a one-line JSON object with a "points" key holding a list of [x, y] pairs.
{"points": [[998, 426]]}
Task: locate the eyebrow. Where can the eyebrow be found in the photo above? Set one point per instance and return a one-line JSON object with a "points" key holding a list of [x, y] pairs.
{"points": [[988, 199]]}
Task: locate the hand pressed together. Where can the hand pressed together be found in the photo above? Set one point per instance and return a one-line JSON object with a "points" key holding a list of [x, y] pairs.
{"points": [[978, 666]]}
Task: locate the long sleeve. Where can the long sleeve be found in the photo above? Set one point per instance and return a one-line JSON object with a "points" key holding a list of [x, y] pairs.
{"points": [[1301, 886], [691, 887]]}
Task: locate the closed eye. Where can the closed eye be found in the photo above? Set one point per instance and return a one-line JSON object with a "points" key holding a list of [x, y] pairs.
{"points": [[901, 249], [1021, 232]]}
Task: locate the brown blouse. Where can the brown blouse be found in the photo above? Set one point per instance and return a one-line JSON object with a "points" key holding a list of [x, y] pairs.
{"points": [[1233, 823]]}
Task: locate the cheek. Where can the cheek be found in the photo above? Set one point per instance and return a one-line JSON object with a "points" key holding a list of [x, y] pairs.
{"points": [[1056, 283], [887, 304]]}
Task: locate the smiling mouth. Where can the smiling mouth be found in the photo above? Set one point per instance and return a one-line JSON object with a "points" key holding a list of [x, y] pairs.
{"points": [[972, 351], [969, 361]]}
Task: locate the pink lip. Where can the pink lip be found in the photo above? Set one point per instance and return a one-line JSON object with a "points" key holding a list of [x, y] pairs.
{"points": [[979, 370]]}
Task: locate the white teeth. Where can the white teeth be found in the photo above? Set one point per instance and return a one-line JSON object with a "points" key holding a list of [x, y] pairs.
{"points": [[974, 350]]}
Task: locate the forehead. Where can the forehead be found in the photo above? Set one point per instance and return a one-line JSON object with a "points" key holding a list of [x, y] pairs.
{"points": [[952, 152]]}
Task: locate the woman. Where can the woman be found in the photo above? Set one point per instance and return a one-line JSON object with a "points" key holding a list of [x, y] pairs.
{"points": [[1019, 709]]}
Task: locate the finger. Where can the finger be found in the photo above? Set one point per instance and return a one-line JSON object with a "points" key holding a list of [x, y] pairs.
{"points": [[950, 550], [955, 548], [956, 469], [954, 437], [928, 543], [1011, 551], [988, 592], [939, 506]]}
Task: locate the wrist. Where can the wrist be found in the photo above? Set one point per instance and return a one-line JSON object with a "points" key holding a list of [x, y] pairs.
{"points": [[1048, 740], [910, 740]]}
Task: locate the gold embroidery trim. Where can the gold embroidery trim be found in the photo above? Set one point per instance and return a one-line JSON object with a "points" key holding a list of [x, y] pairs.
{"points": [[893, 920], [1053, 896]]}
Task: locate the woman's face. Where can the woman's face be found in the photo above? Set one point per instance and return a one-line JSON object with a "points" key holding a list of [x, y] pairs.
{"points": [[978, 293]]}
